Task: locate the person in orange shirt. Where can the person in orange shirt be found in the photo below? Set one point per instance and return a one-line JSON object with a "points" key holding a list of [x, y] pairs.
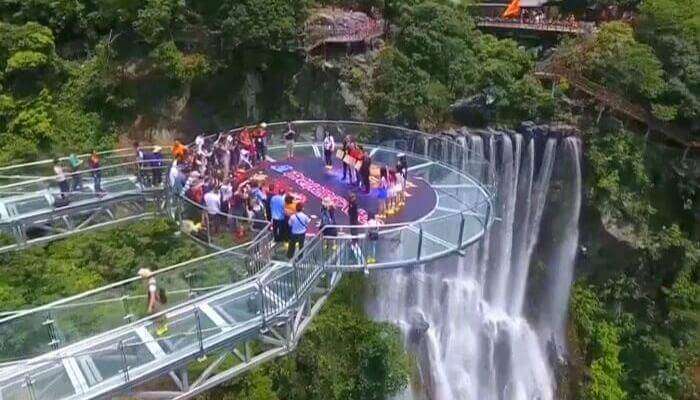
{"points": [[179, 151], [290, 208]]}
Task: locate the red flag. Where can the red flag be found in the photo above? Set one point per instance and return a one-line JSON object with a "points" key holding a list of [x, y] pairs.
{"points": [[513, 10]]}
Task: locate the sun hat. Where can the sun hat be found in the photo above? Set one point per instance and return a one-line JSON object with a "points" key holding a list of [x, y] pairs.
{"points": [[145, 273]]}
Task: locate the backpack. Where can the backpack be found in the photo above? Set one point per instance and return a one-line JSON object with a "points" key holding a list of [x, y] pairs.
{"points": [[162, 296]]}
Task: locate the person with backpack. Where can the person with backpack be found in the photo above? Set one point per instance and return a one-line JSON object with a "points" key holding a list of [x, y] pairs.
{"points": [[156, 299], [299, 225], [75, 163]]}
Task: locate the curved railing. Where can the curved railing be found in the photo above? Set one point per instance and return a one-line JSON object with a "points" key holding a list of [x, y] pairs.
{"points": [[464, 180], [215, 301]]}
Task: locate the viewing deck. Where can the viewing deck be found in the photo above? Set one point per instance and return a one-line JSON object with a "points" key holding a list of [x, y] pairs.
{"points": [[103, 344], [333, 25]]}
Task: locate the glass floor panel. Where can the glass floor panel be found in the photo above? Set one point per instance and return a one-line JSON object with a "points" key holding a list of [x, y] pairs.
{"points": [[107, 360], [239, 308], [182, 331], [47, 383]]}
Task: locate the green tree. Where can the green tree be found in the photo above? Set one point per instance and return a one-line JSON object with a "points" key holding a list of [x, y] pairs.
{"points": [[261, 23], [405, 93], [158, 18]]}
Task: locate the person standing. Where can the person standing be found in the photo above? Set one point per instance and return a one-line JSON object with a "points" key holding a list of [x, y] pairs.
{"points": [[383, 191], [268, 200], [328, 218], [60, 177], [364, 172], [346, 152], [299, 224], [156, 299], [75, 163], [179, 151], [94, 163], [212, 202], [278, 216], [289, 138], [260, 136], [328, 149], [372, 239], [139, 160], [156, 166], [353, 213], [290, 208]]}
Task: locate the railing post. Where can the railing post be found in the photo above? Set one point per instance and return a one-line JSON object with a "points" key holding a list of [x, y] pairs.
{"points": [[488, 215], [259, 284], [420, 241], [200, 338], [461, 230], [128, 317], [29, 383], [208, 227], [188, 277], [52, 331], [125, 365]]}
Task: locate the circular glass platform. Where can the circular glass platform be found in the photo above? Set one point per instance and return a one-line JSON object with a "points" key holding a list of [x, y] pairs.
{"points": [[449, 203]]}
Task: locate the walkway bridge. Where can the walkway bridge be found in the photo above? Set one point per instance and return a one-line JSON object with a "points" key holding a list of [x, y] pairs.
{"points": [[557, 27], [554, 71], [236, 308]]}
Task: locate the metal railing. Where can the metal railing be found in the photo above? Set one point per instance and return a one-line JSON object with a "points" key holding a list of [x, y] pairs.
{"points": [[36, 331], [428, 238], [44, 168], [103, 322]]}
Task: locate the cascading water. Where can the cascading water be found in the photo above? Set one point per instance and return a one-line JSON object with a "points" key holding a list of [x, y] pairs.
{"points": [[464, 317]]}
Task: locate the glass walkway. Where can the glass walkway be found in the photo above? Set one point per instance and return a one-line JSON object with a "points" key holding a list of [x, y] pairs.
{"points": [[239, 301]]}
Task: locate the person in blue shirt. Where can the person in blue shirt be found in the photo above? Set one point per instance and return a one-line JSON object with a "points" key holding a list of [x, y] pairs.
{"points": [[156, 165], [299, 224], [278, 217]]}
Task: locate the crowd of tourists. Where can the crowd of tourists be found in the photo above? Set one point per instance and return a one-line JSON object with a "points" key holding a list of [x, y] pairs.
{"points": [[214, 173]]}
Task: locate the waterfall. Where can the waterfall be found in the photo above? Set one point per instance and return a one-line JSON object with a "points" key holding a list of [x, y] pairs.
{"points": [[464, 318]]}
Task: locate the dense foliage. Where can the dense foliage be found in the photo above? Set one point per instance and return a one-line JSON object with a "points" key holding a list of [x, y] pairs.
{"points": [[343, 355], [438, 57], [39, 275], [655, 65], [636, 310], [81, 74]]}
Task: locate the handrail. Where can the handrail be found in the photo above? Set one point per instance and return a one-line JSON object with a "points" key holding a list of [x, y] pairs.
{"points": [[109, 153], [311, 262], [121, 283], [68, 175]]}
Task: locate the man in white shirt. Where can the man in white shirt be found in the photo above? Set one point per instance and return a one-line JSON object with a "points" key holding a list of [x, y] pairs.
{"points": [[60, 177], [328, 149], [212, 202]]}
